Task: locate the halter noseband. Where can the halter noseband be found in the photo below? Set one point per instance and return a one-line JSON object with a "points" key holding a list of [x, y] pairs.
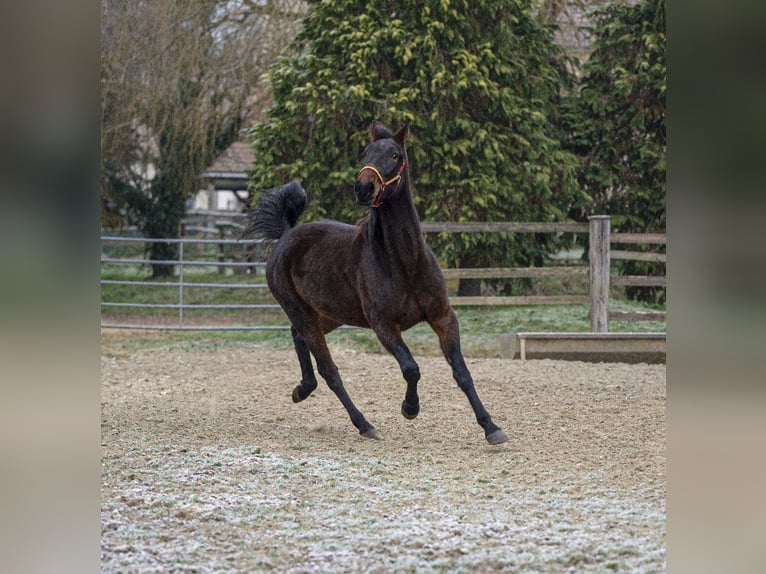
{"points": [[383, 184]]}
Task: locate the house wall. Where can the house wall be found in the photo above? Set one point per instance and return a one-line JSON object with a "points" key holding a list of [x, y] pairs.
{"points": [[220, 200]]}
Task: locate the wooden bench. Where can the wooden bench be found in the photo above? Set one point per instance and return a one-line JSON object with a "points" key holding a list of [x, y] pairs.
{"points": [[592, 347]]}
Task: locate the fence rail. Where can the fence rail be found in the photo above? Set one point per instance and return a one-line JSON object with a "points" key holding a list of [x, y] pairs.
{"points": [[503, 227], [224, 254]]}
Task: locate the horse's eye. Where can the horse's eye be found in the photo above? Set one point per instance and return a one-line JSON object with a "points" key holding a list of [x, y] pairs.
{"points": [[394, 156]]}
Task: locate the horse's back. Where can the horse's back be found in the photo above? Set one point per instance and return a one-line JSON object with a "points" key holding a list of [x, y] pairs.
{"points": [[320, 231], [314, 246]]}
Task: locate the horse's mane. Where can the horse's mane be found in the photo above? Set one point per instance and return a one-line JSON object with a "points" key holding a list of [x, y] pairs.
{"points": [[367, 224]]}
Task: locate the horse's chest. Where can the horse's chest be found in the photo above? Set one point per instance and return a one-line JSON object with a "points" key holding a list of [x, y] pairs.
{"points": [[398, 300]]}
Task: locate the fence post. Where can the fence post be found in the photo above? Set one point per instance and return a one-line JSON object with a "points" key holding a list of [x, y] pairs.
{"points": [[221, 225], [181, 283], [598, 256]]}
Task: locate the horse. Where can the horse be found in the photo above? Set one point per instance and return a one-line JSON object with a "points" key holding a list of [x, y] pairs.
{"points": [[379, 274]]}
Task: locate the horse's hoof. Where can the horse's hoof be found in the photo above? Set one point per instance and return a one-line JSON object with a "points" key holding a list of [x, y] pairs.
{"points": [[497, 437], [297, 394], [410, 411], [371, 433]]}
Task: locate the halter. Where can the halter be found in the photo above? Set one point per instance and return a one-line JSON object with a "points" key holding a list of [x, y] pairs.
{"points": [[383, 184]]}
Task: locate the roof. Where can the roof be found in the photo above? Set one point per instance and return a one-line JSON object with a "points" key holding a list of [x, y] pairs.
{"points": [[237, 158], [228, 171]]}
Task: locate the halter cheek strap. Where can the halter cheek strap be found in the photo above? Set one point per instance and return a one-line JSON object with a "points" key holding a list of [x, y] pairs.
{"points": [[383, 184]]}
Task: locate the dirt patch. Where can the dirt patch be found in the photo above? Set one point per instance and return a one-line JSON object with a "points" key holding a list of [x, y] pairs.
{"points": [[208, 466]]}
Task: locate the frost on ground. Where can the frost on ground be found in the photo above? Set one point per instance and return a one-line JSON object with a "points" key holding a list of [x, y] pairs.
{"points": [[208, 466]]}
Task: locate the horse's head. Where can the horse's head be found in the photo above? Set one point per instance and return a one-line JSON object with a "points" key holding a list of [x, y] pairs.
{"points": [[384, 164]]}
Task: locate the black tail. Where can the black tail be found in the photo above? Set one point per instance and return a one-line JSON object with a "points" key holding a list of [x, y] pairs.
{"points": [[276, 212]]}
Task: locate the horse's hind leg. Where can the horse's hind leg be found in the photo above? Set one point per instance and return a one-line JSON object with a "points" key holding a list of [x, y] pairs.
{"points": [[447, 329], [313, 338], [391, 339], [308, 379]]}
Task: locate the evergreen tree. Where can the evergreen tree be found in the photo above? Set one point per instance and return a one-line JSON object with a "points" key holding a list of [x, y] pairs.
{"points": [[479, 82], [617, 124]]}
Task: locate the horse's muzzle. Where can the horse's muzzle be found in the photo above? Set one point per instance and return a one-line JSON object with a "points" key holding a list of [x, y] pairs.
{"points": [[364, 192]]}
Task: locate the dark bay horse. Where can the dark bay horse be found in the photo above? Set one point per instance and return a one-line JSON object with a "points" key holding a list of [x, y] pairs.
{"points": [[379, 274]]}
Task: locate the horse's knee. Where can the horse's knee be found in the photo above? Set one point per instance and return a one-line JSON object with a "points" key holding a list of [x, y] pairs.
{"points": [[460, 372], [465, 384], [330, 375], [462, 375], [322, 370]]}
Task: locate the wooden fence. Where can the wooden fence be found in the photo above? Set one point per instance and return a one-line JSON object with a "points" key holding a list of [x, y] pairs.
{"points": [[600, 256]]}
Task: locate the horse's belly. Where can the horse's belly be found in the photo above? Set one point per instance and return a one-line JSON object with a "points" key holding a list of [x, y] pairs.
{"points": [[341, 310], [331, 295]]}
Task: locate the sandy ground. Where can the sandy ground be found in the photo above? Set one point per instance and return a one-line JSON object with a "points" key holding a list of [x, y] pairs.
{"points": [[208, 466]]}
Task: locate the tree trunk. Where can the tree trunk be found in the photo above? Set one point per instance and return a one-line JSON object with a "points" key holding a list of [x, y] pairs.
{"points": [[163, 221], [162, 252], [469, 287]]}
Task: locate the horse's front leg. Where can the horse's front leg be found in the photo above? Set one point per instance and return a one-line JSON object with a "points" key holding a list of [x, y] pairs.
{"points": [[448, 331], [391, 339]]}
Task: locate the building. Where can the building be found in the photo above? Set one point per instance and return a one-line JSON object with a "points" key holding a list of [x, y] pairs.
{"points": [[225, 182]]}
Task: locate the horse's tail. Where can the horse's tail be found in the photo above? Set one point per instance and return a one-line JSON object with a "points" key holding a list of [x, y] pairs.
{"points": [[276, 212]]}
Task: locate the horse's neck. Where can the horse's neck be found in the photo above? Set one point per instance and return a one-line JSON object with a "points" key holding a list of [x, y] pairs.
{"points": [[396, 230]]}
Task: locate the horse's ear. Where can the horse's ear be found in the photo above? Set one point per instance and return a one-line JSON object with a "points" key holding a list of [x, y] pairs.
{"points": [[378, 131], [401, 135]]}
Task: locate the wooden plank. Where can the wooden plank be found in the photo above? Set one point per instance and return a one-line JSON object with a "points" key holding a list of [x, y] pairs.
{"points": [[522, 300], [639, 280], [514, 272], [623, 347], [638, 238], [502, 227], [637, 316], [639, 256], [589, 335]]}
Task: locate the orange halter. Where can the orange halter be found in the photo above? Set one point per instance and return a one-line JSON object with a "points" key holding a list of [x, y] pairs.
{"points": [[383, 184]]}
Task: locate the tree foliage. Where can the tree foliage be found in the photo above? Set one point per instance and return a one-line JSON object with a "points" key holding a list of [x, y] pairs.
{"points": [[617, 121], [480, 84], [571, 19], [177, 82]]}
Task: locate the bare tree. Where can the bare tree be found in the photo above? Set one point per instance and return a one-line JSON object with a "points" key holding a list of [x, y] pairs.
{"points": [[179, 78]]}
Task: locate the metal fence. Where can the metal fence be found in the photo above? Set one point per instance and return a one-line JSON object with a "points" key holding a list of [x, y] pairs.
{"points": [[182, 283]]}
